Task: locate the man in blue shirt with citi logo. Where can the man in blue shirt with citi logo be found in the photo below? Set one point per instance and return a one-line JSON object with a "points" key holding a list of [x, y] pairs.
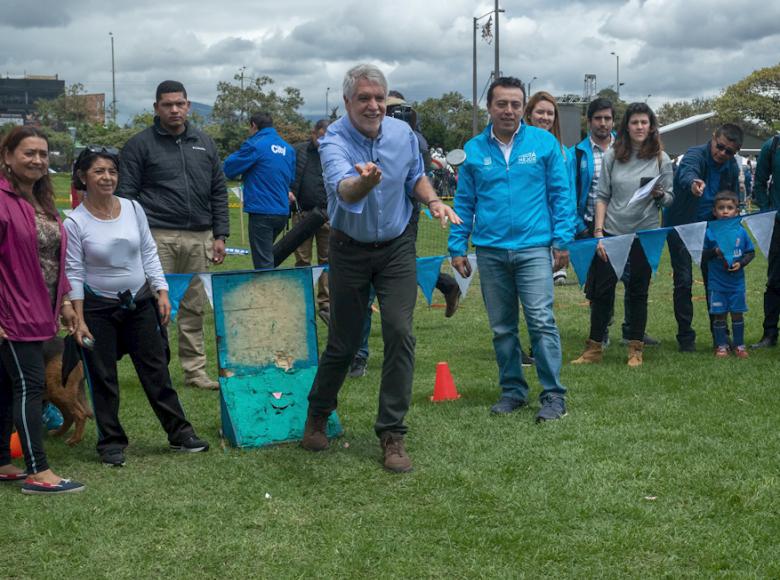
{"points": [[266, 164]]}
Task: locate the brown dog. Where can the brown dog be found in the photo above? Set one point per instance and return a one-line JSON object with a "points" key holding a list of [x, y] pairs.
{"points": [[65, 390]]}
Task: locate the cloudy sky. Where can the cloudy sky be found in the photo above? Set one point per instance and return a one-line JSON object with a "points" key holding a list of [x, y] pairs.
{"points": [[670, 49]]}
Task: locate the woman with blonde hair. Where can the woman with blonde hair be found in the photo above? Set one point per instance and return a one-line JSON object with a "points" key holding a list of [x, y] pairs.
{"points": [[542, 112]]}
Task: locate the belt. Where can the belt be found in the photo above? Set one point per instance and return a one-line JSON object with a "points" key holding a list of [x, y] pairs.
{"points": [[340, 236]]}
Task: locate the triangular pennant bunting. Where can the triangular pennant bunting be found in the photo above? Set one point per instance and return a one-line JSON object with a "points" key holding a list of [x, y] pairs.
{"points": [[177, 287], [316, 272], [761, 225], [206, 279], [653, 244], [725, 232], [237, 191], [464, 283], [618, 248], [692, 235], [427, 272], [581, 255]]}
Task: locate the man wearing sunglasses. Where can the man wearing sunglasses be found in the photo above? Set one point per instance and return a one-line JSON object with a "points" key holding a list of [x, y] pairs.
{"points": [[703, 172]]}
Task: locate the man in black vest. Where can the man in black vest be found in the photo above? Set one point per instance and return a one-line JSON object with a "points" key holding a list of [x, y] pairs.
{"points": [[766, 192], [308, 193]]}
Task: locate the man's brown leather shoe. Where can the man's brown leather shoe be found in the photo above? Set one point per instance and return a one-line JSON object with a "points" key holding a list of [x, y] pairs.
{"points": [[396, 459], [314, 437]]}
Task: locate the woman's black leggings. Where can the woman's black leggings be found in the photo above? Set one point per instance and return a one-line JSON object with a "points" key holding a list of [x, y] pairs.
{"points": [[601, 293], [22, 386]]}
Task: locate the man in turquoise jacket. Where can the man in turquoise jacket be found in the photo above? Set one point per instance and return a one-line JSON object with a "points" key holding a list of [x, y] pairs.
{"points": [[517, 206], [266, 164]]}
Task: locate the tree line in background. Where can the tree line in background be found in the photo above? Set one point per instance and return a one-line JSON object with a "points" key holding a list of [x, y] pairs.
{"points": [[753, 102]]}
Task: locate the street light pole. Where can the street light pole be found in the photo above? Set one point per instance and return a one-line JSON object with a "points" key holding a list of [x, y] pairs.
{"points": [[617, 67], [113, 80], [529, 88], [327, 106], [475, 105], [243, 97], [497, 70], [474, 84]]}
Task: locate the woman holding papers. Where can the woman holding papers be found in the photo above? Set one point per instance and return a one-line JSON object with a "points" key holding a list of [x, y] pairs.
{"points": [[635, 182]]}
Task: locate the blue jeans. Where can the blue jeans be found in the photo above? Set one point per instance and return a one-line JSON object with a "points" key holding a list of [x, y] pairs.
{"points": [[504, 276], [263, 230]]}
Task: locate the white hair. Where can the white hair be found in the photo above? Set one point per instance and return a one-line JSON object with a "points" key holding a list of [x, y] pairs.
{"points": [[369, 72]]}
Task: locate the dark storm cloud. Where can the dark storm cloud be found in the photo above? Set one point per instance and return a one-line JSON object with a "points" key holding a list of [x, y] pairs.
{"points": [[24, 14], [668, 48]]}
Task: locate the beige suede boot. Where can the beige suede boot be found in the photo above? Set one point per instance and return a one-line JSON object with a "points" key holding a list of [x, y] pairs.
{"points": [[635, 348], [593, 353]]}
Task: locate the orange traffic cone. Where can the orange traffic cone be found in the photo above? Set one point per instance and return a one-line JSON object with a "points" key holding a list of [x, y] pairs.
{"points": [[444, 388], [16, 446]]}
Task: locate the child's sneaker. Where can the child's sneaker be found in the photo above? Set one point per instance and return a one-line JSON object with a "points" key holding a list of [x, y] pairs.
{"points": [[741, 351], [722, 352]]}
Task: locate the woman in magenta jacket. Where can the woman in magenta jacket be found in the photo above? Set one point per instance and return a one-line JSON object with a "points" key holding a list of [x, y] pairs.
{"points": [[33, 295]]}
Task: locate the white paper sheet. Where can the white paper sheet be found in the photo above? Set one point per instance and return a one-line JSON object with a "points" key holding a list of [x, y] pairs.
{"points": [[645, 190]]}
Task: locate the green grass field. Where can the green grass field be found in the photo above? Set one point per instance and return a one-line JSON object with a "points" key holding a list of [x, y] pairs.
{"points": [[669, 470]]}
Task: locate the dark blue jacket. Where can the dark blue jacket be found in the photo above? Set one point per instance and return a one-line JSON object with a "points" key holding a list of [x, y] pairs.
{"points": [[695, 165], [266, 164], [765, 197]]}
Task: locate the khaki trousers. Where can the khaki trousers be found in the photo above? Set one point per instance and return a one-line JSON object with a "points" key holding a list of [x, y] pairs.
{"points": [[303, 258], [185, 252]]}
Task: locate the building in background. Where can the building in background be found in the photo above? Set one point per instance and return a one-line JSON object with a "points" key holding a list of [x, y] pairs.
{"points": [[95, 104], [18, 96]]}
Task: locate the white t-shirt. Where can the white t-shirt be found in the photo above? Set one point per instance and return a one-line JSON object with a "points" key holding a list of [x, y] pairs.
{"points": [[111, 256]]}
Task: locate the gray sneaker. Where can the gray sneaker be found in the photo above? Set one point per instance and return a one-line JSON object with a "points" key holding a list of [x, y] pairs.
{"points": [[358, 367], [505, 405], [553, 407], [192, 444], [113, 458]]}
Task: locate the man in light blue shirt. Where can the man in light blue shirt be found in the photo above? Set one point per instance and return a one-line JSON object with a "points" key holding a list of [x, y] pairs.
{"points": [[372, 167]]}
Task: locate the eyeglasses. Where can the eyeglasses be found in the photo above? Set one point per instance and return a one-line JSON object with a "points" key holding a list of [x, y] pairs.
{"points": [[91, 150], [99, 149], [83, 161], [726, 150]]}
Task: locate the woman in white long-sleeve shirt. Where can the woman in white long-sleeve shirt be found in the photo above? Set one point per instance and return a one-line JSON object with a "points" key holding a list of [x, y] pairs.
{"points": [[115, 272]]}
